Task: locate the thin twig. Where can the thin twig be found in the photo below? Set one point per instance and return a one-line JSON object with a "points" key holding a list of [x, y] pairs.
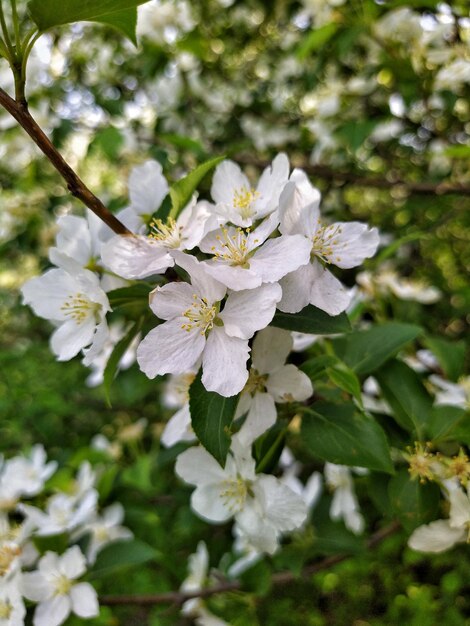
{"points": [[281, 578], [351, 178], [19, 110]]}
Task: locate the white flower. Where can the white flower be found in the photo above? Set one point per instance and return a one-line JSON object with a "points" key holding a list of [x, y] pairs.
{"points": [[75, 303], [12, 609], [262, 506], [13, 541], [24, 476], [238, 202], [196, 327], [53, 586], [344, 504], [452, 394], [270, 381], [443, 534], [104, 530], [342, 244], [244, 259], [176, 395]]}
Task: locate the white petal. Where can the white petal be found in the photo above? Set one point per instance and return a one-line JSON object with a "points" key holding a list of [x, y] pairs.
{"points": [[327, 292], [349, 243], [234, 277], [289, 383], [70, 338], [284, 508], [298, 215], [46, 294], [171, 300], [224, 363], [197, 467], [52, 612], [169, 349], [296, 289], [435, 537], [204, 284], [84, 600], [258, 530], [147, 187], [72, 563], [178, 428], [271, 347], [247, 311], [207, 502], [35, 587], [261, 416], [280, 256], [135, 257], [227, 179], [459, 508], [270, 185]]}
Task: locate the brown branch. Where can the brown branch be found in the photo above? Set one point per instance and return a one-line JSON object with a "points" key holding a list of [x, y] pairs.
{"points": [[351, 178], [19, 110], [281, 578]]}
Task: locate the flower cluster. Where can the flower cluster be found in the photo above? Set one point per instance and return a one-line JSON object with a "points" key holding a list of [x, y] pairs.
{"points": [[50, 580]]}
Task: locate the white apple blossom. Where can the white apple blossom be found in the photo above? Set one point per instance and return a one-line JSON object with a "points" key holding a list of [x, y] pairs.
{"points": [[241, 204], [75, 303], [344, 504], [197, 327], [344, 244], [453, 394], [53, 586], [443, 534], [270, 381], [263, 508], [24, 476], [247, 259], [12, 609], [105, 529]]}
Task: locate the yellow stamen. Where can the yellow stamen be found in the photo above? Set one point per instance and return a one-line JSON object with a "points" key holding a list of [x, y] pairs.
{"points": [[325, 242], [168, 233], [79, 307], [200, 315], [243, 199]]}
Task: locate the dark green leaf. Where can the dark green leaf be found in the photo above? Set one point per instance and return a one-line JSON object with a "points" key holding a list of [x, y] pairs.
{"points": [[339, 434], [50, 13], [450, 354], [366, 350], [316, 39], [182, 191], [413, 502], [345, 379], [446, 422], [123, 21], [316, 367], [312, 320], [133, 302], [211, 418], [405, 393], [121, 554]]}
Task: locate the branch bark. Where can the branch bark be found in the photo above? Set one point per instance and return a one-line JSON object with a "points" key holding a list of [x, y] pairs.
{"points": [[281, 578], [351, 178], [19, 110]]}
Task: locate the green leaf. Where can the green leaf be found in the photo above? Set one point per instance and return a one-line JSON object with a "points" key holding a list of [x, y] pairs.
{"points": [[366, 350], [211, 418], [315, 368], [109, 140], [445, 422], [405, 393], [413, 502], [121, 554], [112, 365], [133, 301], [344, 378], [312, 320], [139, 474], [316, 39], [339, 434], [450, 354], [123, 21], [182, 191], [49, 13]]}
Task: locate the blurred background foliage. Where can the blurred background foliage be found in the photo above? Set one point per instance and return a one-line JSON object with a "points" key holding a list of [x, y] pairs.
{"points": [[350, 91]]}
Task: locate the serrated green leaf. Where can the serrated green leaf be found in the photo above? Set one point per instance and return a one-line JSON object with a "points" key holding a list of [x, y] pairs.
{"points": [[211, 418], [366, 350], [182, 191], [413, 502], [120, 555], [339, 434], [51, 13], [312, 320], [405, 393]]}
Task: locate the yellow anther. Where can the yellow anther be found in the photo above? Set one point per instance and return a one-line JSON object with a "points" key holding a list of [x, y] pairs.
{"points": [[325, 242], [234, 494], [168, 233], [79, 307], [232, 248], [243, 199], [200, 315]]}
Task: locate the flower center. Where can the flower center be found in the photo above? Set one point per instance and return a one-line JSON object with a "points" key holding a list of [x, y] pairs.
{"points": [[200, 315], [62, 585], [242, 200], [8, 554], [168, 233], [5, 610], [326, 242], [234, 493], [256, 382], [79, 307], [233, 248]]}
